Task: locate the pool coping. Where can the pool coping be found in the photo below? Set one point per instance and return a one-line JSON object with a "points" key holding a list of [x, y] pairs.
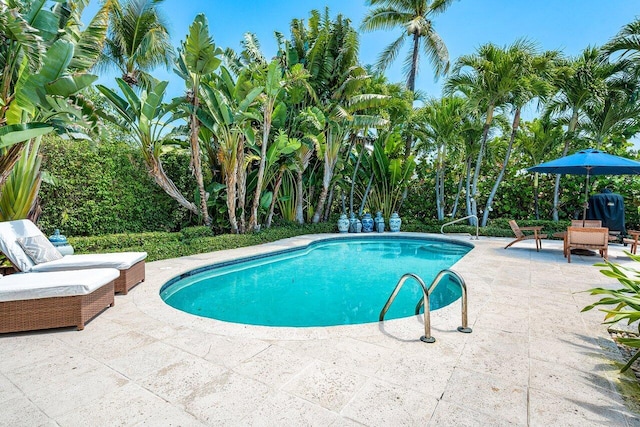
{"points": [[534, 358]]}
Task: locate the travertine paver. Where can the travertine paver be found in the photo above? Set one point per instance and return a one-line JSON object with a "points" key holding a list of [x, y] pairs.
{"points": [[533, 358]]}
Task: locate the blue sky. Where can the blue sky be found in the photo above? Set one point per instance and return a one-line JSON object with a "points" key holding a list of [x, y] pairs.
{"points": [[567, 25]]}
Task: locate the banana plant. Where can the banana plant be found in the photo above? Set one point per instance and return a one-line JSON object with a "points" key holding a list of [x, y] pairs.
{"points": [[44, 64], [148, 120], [226, 110], [279, 159], [198, 58]]}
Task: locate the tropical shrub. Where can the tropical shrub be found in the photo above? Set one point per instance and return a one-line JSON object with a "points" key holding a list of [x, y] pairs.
{"points": [[625, 301]]}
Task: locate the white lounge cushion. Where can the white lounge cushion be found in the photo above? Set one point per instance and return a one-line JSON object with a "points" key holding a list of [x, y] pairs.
{"points": [[25, 286], [10, 232], [119, 260]]}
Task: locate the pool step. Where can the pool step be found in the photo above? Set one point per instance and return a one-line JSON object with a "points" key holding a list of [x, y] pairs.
{"points": [[442, 249]]}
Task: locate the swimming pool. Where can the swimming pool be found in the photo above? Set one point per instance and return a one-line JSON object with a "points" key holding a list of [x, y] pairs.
{"points": [[330, 282]]}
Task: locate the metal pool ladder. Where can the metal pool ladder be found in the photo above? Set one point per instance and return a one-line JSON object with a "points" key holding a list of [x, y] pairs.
{"points": [[424, 301]]}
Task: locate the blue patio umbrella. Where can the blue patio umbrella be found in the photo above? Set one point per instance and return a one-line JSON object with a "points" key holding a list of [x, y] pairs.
{"points": [[589, 162]]}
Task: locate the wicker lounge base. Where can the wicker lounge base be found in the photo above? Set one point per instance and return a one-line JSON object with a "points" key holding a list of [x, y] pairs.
{"points": [[130, 277], [56, 312]]}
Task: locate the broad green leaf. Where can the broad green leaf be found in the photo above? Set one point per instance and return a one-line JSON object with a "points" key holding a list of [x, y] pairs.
{"points": [[90, 42], [248, 100], [274, 77], [279, 117], [265, 200], [13, 134], [41, 18], [70, 84], [201, 56], [153, 100], [132, 97]]}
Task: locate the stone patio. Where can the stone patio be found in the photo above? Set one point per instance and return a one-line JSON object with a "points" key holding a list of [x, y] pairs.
{"points": [[533, 358]]}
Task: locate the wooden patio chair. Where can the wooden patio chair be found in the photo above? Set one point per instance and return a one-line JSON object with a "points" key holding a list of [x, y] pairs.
{"points": [[520, 236], [633, 241], [596, 238]]}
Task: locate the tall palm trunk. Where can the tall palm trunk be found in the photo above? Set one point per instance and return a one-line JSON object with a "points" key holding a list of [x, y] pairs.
{"points": [[454, 210], [494, 190], [160, 177], [573, 123], [231, 198], [196, 160], [476, 174], [327, 206], [242, 186], [440, 183], [274, 199], [326, 181], [353, 178], [411, 85], [227, 158], [299, 198], [467, 188], [331, 152], [411, 81], [266, 129]]}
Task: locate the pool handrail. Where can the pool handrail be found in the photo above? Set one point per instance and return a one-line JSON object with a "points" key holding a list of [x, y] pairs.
{"points": [[424, 301], [461, 219]]}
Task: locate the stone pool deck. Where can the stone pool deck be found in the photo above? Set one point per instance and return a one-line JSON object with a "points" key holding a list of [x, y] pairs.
{"points": [[533, 358]]}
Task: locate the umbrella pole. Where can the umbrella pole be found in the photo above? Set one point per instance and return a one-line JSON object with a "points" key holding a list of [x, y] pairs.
{"points": [[586, 199]]}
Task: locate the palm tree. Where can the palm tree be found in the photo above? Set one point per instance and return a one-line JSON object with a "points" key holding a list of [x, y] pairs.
{"points": [[616, 117], [486, 78], [443, 119], [138, 40], [580, 81], [537, 139], [326, 116], [414, 18], [626, 42], [531, 73]]}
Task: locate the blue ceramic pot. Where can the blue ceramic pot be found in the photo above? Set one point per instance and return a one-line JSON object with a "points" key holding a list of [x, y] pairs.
{"points": [[394, 222], [379, 221], [367, 223], [343, 223]]}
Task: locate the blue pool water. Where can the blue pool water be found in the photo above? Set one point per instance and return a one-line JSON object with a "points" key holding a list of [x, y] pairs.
{"points": [[330, 282]]}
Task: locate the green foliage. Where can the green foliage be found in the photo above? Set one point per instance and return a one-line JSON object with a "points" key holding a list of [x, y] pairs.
{"points": [[625, 301], [192, 240], [104, 189], [20, 190]]}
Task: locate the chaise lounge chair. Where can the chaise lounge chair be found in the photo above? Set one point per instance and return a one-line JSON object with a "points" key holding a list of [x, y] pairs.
{"points": [[520, 236], [31, 301], [30, 251]]}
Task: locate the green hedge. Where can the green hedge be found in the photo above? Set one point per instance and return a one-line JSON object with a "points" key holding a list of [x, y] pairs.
{"points": [[189, 241], [104, 189]]}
